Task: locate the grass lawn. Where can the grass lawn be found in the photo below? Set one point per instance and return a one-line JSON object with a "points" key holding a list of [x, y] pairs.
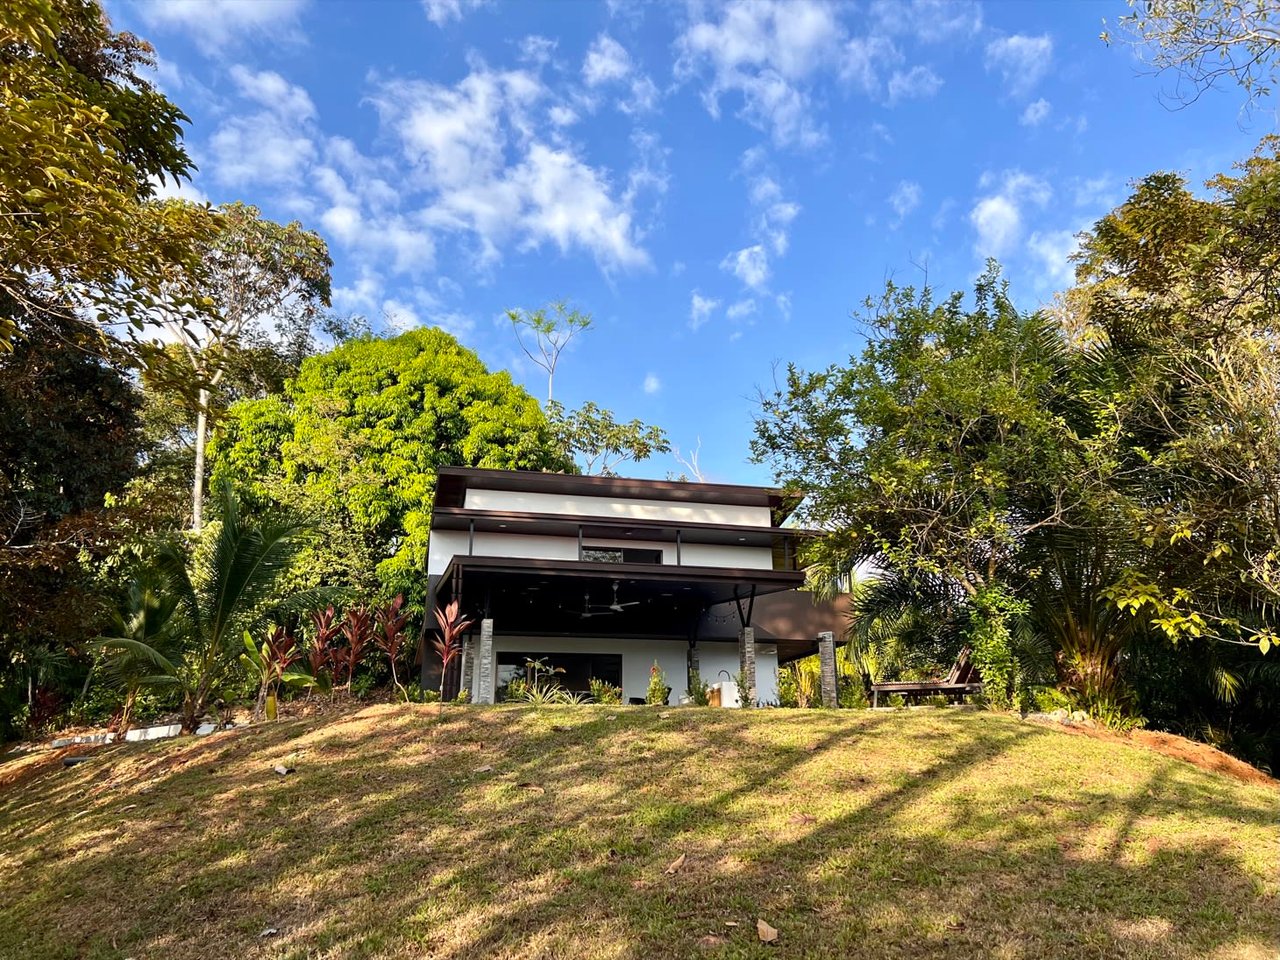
{"points": [[522, 832]]}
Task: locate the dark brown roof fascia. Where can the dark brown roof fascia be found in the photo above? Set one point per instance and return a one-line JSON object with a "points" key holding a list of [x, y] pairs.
{"points": [[454, 481], [462, 514]]}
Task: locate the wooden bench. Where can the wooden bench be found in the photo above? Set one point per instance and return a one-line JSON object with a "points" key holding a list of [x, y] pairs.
{"points": [[961, 681]]}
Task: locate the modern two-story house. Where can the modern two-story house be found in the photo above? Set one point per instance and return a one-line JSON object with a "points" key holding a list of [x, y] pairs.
{"points": [[603, 577]]}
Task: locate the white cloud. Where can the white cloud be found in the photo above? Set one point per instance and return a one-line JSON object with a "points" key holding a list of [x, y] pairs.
{"points": [[473, 149], [750, 265], [1021, 60], [783, 302], [918, 83], [607, 61], [652, 384], [742, 308], [1095, 192], [441, 12], [214, 24], [700, 309], [562, 116], [268, 89], [929, 21], [1036, 111], [453, 322], [400, 316], [170, 189], [998, 216], [272, 142], [765, 51], [905, 198], [1053, 249], [862, 60], [537, 49]]}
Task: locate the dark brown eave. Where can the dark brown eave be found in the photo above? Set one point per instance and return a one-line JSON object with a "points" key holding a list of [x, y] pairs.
{"points": [[452, 484], [606, 528], [766, 581]]}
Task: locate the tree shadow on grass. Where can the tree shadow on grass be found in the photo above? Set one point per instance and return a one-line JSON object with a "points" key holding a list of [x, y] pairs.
{"points": [[867, 833]]}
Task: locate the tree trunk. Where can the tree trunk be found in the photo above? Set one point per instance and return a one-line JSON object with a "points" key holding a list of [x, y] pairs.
{"points": [[197, 479], [262, 701]]}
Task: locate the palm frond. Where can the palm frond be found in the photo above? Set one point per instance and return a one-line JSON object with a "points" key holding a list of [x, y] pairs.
{"points": [[138, 649]]}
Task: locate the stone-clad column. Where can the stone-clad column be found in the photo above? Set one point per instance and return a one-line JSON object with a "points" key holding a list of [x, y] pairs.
{"points": [[484, 664], [827, 664], [694, 669], [747, 655], [468, 664]]}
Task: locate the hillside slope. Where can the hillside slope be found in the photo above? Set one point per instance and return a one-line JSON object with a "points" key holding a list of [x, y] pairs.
{"points": [[515, 832]]}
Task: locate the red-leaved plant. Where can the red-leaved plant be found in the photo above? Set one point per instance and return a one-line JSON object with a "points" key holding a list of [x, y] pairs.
{"points": [[321, 655], [452, 627], [357, 631], [390, 637]]}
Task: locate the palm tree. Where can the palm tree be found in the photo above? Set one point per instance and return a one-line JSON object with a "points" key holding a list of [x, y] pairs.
{"points": [[142, 648], [228, 587]]}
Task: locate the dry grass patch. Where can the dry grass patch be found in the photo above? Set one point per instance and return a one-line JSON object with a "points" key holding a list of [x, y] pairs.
{"points": [[521, 832]]}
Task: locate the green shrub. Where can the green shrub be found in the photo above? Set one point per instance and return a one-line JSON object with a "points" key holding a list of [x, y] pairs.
{"points": [[787, 693], [851, 693], [897, 700], [362, 685], [604, 692], [699, 690], [657, 693]]}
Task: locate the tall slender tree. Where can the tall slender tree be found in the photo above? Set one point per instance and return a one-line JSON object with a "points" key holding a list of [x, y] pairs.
{"points": [[262, 276]]}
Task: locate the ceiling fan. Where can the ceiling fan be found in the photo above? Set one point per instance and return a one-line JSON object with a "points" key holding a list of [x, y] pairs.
{"points": [[590, 609]]}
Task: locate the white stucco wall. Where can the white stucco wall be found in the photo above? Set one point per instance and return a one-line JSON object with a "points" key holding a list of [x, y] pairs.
{"points": [[639, 655], [445, 544], [588, 506]]}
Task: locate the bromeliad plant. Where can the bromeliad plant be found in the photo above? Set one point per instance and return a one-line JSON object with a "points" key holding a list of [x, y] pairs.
{"points": [[391, 620], [452, 626]]}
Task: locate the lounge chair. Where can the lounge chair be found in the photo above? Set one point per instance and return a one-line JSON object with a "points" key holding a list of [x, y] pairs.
{"points": [[963, 679]]}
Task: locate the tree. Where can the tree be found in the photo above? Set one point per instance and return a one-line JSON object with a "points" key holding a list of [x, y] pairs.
{"points": [[938, 448], [83, 142], [356, 441], [1177, 302], [69, 440], [1208, 41], [592, 433], [141, 642], [229, 586], [550, 335], [937, 453], [263, 278]]}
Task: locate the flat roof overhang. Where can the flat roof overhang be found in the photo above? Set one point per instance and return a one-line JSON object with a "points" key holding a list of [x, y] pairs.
{"points": [[571, 597], [607, 528], [452, 484]]}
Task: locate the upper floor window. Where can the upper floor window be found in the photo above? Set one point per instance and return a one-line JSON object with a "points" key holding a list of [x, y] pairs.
{"points": [[621, 555]]}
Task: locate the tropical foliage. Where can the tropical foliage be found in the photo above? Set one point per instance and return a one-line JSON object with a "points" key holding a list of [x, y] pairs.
{"points": [[1085, 496], [355, 441], [227, 587]]}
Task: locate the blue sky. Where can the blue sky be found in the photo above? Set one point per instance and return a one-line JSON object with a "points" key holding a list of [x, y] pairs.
{"points": [[719, 186]]}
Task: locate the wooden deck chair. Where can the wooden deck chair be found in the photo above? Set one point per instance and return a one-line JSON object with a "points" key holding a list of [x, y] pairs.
{"points": [[963, 679]]}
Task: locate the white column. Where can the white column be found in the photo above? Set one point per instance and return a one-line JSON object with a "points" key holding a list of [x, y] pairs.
{"points": [[747, 654], [484, 689], [827, 664]]}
